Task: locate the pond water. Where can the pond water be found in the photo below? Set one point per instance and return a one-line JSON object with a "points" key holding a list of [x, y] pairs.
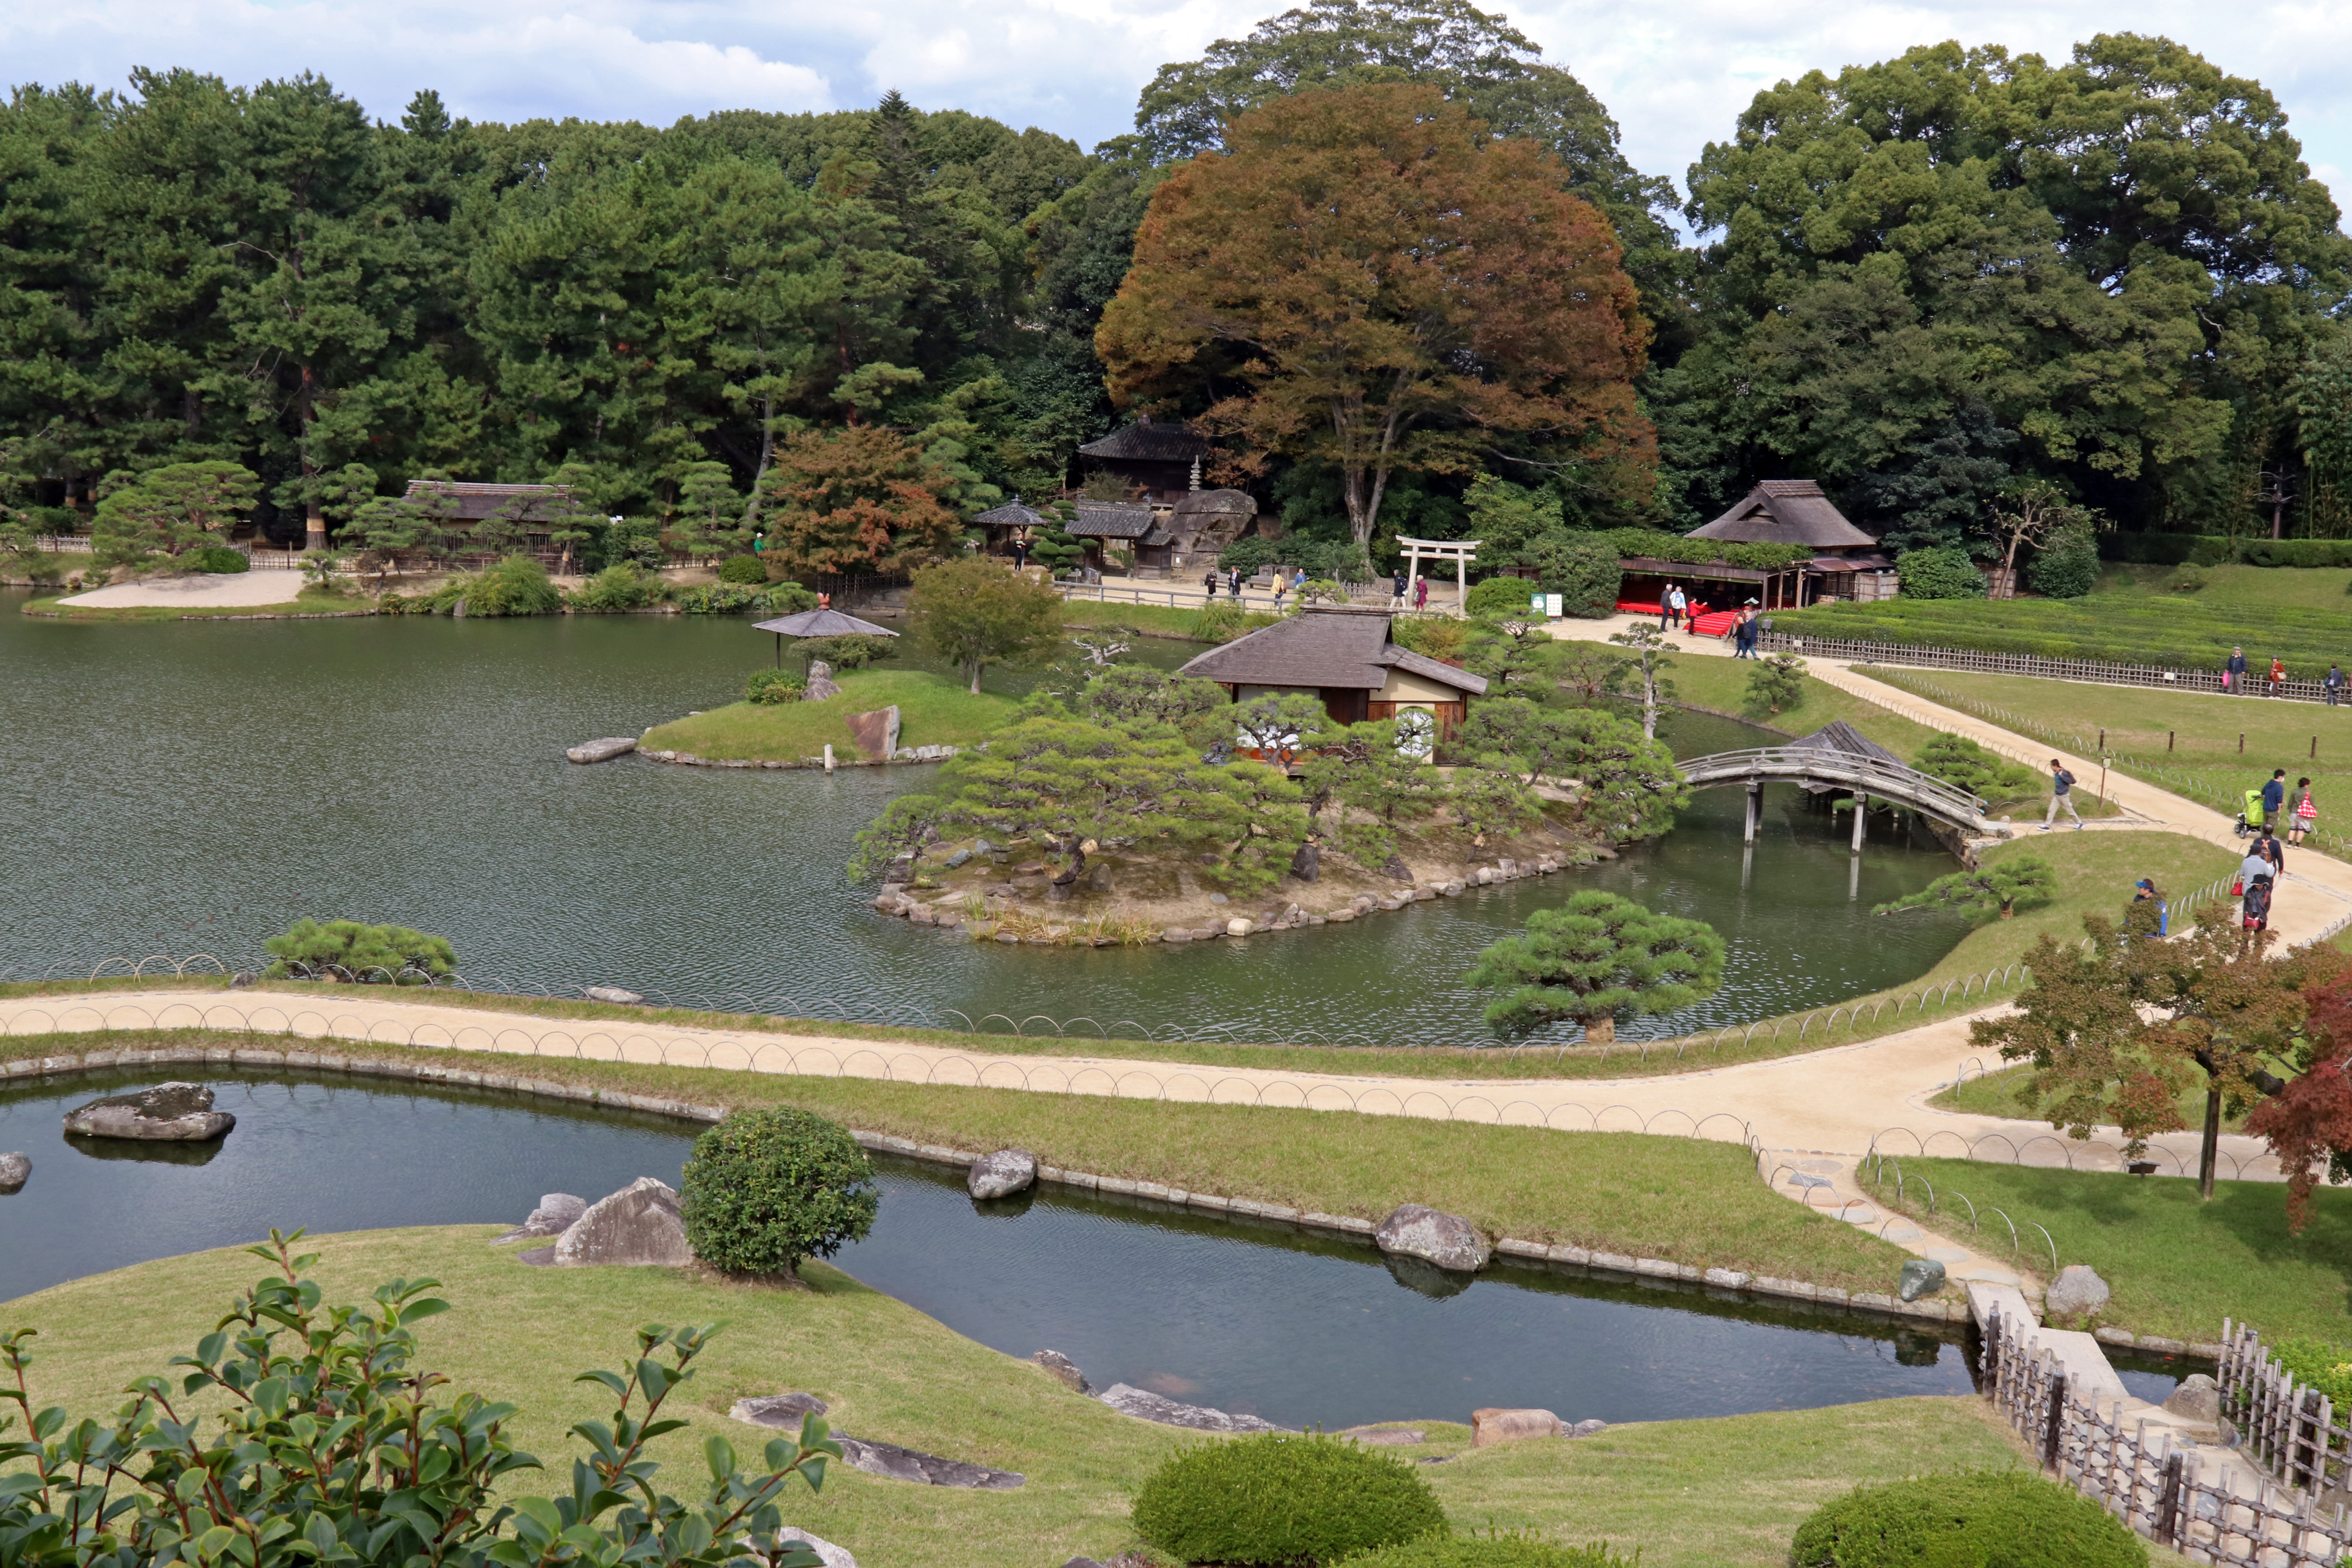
{"points": [[193, 787], [1292, 1326]]}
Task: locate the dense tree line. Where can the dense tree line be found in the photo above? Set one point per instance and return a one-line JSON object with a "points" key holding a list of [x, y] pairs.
{"points": [[1927, 282]]}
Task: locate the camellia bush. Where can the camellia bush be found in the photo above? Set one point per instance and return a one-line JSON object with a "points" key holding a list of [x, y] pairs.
{"points": [[298, 1434], [2010, 1517], [1283, 1498], [363, 954], [1942, 573], [766, 1188]]}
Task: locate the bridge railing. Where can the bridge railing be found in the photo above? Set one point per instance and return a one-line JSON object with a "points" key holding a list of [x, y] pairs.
{"points": [[1868, 773]]}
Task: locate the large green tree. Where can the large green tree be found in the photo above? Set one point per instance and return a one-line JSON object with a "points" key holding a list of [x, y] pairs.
{"points": [[1594, 957]]}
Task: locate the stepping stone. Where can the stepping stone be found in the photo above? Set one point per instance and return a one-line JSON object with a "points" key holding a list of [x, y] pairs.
{"points": [[1985, 1276], [1899, 1234], [1948, 1254]]}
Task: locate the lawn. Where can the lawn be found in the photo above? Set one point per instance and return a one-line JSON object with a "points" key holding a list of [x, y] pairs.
{"points": [[2186, 741], [2135, 617], [1688, 1494], [2002, 1092], [1687, 1200], [933, 710], [2177, 1265], [1721, 686]]}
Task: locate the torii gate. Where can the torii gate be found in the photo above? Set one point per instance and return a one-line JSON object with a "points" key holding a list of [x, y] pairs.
{"points": [[1461, 552]]}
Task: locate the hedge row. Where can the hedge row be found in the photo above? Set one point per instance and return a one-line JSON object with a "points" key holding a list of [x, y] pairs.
{"points": [[2168, 633], [1661, 546], [2213, 549]]}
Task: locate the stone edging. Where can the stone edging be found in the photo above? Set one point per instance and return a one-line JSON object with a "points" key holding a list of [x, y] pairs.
{"points": [[1344, 1224], [906, 755]]}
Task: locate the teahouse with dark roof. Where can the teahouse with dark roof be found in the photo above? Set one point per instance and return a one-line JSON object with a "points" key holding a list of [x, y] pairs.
{"points": [[1846, 562], [1161, 460], [1134, 526], [472, 502], [1343, 655]]}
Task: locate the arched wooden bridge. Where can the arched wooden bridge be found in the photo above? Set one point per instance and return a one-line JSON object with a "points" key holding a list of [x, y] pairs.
{"points": [[1870, 778]]}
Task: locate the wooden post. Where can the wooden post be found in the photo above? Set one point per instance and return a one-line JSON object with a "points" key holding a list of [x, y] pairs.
{"points": [[1755, 808], [2054, 1429], [1861, 818]]}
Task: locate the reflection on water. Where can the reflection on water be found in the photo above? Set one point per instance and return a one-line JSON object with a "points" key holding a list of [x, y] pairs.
{"points": [[1294, 1326], [192, 788]]}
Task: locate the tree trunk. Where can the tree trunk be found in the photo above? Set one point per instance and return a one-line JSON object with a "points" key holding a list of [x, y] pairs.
{"points": [[1601, 1031], [974, 666], [2208, 1149]]}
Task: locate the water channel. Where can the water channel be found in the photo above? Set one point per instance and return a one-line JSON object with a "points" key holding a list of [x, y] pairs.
{"points": [[1292, 1326], [193, 786]]}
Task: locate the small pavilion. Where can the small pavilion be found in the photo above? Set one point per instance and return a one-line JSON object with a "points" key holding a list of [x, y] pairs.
{"points": [[1342, 654]]}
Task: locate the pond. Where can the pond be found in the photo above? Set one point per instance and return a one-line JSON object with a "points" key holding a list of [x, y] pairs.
{"points": [[194, 787], [1292, 1326]]}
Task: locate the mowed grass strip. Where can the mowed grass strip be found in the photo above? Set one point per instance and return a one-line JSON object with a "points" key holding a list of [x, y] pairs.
{"points": [[933, 710], [2177, 1266], [1689, 1494], [1687, 1200]]}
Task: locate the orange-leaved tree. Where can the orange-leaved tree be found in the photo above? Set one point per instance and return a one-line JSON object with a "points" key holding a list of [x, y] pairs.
{"points": [[858, 499], [1365, 277], [2308, 1121]]}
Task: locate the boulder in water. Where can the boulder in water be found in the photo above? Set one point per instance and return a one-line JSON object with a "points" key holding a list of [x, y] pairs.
{"points": [[1001, 1174], [1448, 1240], [167, 1113]]}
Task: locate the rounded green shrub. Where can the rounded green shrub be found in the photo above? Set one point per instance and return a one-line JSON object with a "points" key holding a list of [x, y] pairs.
{"points": [[1582, 568], [1503, 596], [748, 570], [1511, 1551], [772, 686], [1283, 1498], [1253, 555], [363, 954], [623, 586], [215, 558], [1996, 1519], [517, 585], [764, 1189], [1942, 573], [2067, 567]]}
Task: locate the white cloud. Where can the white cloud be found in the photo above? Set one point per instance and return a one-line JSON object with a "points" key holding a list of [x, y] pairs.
{"points": [[1674, 76]]}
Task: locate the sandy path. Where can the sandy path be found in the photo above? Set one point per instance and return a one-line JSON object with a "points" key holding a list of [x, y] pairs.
{"points": [[207, 591]]}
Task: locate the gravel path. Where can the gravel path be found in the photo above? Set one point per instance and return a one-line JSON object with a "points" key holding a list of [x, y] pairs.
{"points": [[205, 590]]}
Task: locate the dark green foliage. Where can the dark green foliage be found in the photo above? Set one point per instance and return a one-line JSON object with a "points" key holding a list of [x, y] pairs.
{"points": [[1662, 546], [1497, 1550], [1593, 958], [2005, 1518], [766, 1188], [1503, 596], [1140, 697], [1252, 554], [2002, 888], [363, 954], [1281, 1498], [853, 650], [1627, 784], [735, 599], [1581, 569], [1941, 573], [1773, 684], [517, 585], [2315, 1363], [215, 558], [1962, 763], [622, 586], [314, 1399], [747, 570], [772, 686], [2067, 566]]}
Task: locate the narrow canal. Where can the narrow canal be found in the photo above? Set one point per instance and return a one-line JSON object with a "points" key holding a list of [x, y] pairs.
{"points": [[193, 787]]}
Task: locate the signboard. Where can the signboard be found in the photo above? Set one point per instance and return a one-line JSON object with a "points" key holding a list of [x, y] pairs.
{"points": [[1552, 606]]}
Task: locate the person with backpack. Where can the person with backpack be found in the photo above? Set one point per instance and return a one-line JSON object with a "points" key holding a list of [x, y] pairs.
{"points": [[2061, 787]]}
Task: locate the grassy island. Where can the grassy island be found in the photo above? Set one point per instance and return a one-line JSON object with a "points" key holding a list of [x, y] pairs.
{"points": [[933, 710]]}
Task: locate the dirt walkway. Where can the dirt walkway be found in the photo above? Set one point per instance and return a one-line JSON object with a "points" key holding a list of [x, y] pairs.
{"points": [[207, 591]]}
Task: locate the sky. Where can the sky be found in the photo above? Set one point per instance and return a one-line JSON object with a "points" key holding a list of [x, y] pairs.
{"points": [[1675, 76]]}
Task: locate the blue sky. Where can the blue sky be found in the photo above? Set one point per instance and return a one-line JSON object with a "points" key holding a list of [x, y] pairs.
{"points": [[1675, 75]]}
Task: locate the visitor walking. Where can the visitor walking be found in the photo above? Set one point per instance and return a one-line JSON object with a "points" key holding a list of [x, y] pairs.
{"points": [[2278, 677], [1298, 581], [2233, 674], [1234, 582], [2333, 686], [1743, 634], [2301, 812], [2062, 792], [2274, 798], [2269, 849], [2257, 881], [1397, 601], [1666, 607], [1281, 587], [1420, 594], [2146, 892], [1676, 603]]}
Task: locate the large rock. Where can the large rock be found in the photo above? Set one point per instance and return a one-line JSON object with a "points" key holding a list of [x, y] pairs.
{"points": [[784, 1411], [1307, 864], [556, 1213], [820, 686], [14, 1170], [2198, 1398], [1492, 1426], [876, 734], [167, 1113], [603, 750], [2077, 1292], [1146, 1406], [906, 1465], [1920, 1276], [831, 1556], [1002, 1174], [1444, 1239], [637, 1225], [1064, 1368]]}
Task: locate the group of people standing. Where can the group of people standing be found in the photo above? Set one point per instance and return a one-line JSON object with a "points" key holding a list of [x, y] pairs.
{"points": [[1678, 611], [2235, 677]]}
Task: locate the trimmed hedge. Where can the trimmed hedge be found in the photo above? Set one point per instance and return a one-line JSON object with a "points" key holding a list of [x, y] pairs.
{"points": [[2215, 550], [1985, 1519], [1512, 1550], [1283, 1498], [2318, 1364], [1942, 573], [1665, 546], [2168, 633], [766, 1188]]}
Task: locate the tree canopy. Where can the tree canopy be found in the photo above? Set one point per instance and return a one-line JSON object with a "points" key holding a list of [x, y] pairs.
{"points": [[1593, 958]]}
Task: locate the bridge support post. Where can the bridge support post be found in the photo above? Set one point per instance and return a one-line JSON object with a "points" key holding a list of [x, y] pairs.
{"points": [[1861, 818], [1755, 808]]}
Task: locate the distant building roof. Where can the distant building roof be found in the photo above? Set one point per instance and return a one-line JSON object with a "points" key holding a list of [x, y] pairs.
{"points": [[1012, 514], [1144, 442], [1786, 511], [480, 500], [1324, 646], [1837, 735], [1112, 519]]}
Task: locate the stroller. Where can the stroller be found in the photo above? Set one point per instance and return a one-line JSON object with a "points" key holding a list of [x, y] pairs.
{"points": [[2249, 814]]}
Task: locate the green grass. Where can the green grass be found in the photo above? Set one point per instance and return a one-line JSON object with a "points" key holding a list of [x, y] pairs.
{"points": [[1683, 1199], [1720, 684], [2002, 1093], [933, 710], [1690, 1494], [2177, 1265], [2304, 617]]}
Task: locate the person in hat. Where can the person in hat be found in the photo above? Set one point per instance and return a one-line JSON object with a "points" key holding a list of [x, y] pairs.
{"points": [[2146, 892]]}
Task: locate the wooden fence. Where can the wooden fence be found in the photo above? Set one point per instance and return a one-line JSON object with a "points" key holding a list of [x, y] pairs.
{"points": [[2186, 1498], [2290, 1428], [2095, 671]]}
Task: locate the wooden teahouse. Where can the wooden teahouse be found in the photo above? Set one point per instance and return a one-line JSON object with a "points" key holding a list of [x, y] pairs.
{"points": [[1343, 655]]}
